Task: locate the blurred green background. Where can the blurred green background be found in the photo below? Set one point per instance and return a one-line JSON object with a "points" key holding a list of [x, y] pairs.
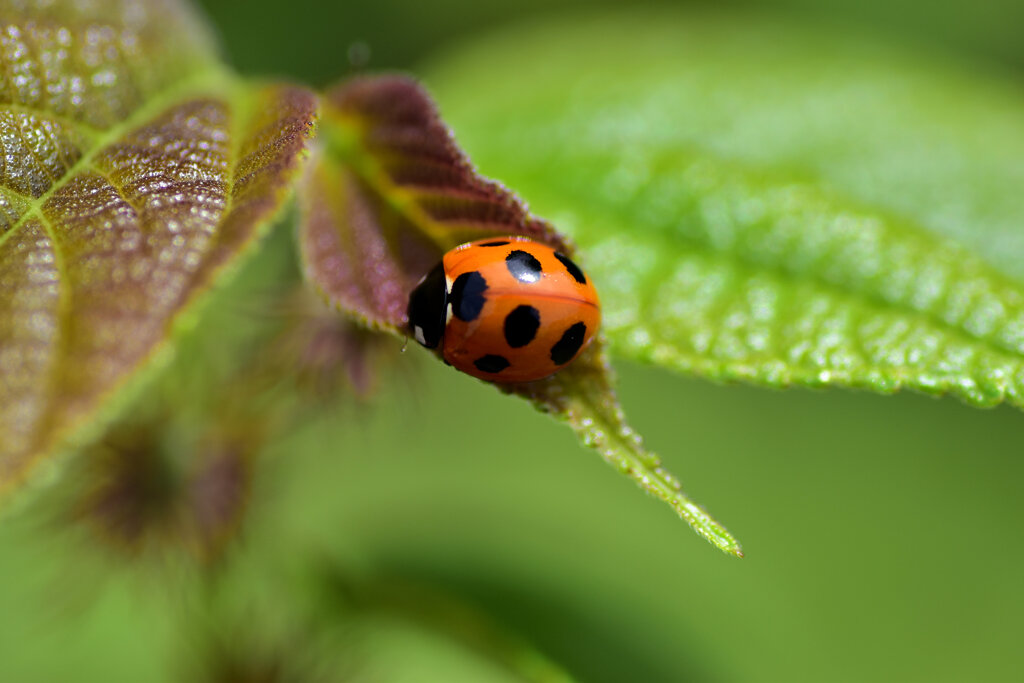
{"points": [[382, 538]]}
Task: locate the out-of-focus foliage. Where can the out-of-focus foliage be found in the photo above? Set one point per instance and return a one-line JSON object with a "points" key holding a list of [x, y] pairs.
{"points": [[320, 40], [135, 170], [769, 204]]}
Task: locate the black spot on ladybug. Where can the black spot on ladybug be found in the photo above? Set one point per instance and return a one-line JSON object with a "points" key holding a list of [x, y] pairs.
{"points": [[523, 266], [491, 363], [566, 347], [495, 243], [521, 326], [573, 269], [427, 308], [467, 295]]}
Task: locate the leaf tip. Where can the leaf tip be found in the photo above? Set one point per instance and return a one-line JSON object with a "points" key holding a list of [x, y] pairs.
{"points": [[724, 541]]}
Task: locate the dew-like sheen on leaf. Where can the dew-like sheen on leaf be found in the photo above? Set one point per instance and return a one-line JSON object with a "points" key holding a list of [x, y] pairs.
{"points": [[388, 194], [133, 170], [770, 204]]}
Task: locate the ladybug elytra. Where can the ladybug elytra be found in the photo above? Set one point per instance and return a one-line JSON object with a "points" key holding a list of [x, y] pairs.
{"points": [[505, 309]]}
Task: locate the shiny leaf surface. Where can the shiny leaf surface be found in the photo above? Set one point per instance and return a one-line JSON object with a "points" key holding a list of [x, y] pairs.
{"points": [[135, 171]]}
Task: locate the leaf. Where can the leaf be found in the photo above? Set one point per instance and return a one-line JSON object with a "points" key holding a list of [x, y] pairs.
{"points": [[391, 196], [388, 195], [135, 172], [767, 203]]}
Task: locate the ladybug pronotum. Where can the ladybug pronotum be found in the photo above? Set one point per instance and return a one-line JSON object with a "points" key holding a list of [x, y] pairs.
{"points": [[505, 309]]}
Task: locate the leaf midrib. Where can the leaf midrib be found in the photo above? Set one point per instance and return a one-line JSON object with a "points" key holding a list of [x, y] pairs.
{"points": [[366, 165]]}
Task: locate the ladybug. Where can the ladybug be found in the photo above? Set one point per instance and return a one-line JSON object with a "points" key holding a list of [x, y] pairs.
{"points": [[505, 310]]}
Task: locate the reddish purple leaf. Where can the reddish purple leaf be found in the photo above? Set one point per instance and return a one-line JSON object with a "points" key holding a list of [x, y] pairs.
{"points": [[389, 193], [136, 171]]}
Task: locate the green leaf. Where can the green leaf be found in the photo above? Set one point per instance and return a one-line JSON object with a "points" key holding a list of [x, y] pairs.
{"points": [[766, 203], [135, 171], [388, 195]]}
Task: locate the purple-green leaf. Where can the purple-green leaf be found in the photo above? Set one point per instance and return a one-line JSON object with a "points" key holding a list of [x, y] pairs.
{"points": [[389, 193], [134, 171]]}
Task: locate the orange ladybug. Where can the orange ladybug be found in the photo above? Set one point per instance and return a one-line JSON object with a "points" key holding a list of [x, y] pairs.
{"points": [[505, 310]]}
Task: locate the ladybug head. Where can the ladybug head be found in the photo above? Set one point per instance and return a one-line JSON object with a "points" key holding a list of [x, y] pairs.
{"points": [[428, 306]]}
